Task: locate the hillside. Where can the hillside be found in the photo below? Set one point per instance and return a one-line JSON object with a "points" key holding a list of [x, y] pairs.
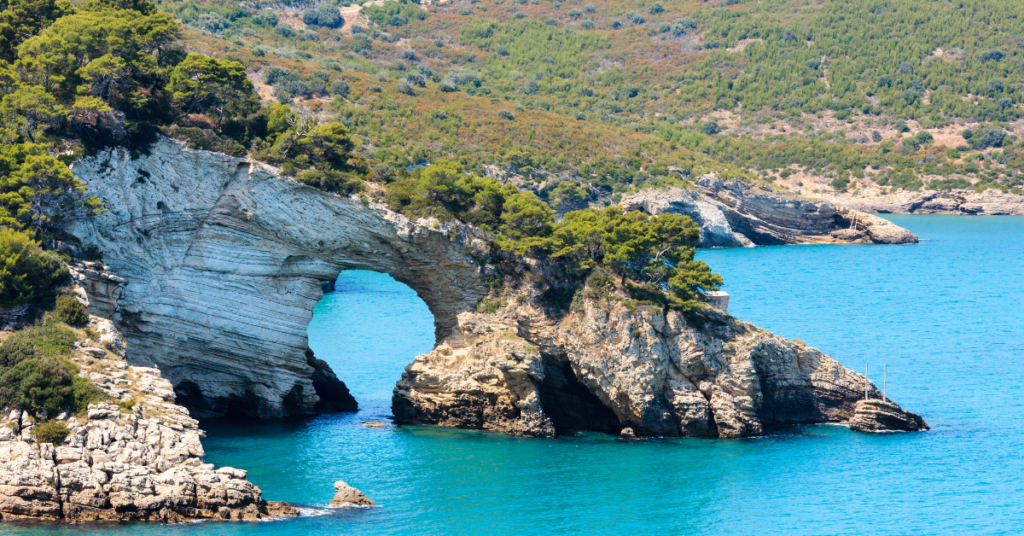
{"points": [[865, 97]]}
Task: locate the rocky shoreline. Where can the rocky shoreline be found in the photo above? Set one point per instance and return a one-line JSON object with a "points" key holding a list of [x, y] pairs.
{"points": [[735, 214], [138, 457], [960, 202], [642, 372]]}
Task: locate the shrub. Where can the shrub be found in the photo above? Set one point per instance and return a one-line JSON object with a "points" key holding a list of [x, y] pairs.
{"points": [[339, 88], [25, 269], [616, 24], [655, 9], [710, 128], [54, 432], [325, 15], [405, 88], [330, 180], [988, 136], [505, 114], [71, 311]]}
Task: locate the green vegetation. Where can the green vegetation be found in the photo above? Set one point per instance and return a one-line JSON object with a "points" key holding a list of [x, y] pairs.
{"points": [[71, 311], [36, 374], [54, 432], [654, 256], [611, 94]]}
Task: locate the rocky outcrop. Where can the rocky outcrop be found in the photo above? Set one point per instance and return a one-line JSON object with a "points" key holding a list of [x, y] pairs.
{"points": [[609, 368], [212, 266], [882, 415], [140, 459], [345, 495], [965, 202], [732, 214]]}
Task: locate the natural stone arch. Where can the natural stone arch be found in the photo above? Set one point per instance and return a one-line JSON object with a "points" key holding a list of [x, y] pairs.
{"points": [[222, 263], [216, 264]]}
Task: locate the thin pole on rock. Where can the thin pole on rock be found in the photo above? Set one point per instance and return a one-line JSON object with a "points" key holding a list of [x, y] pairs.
{"points": [[866, 363], [885, 375]]}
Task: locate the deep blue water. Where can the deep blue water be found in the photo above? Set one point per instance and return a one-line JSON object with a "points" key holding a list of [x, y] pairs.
{"points": [[946, 316]]}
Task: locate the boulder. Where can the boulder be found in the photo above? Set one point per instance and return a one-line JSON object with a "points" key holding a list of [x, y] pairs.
{"points": [[877, 415], [345, 495]]}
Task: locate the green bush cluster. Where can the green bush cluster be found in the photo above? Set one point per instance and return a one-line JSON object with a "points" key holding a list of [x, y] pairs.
{"points": [[71, 311], [36, 374], [655, 253]]}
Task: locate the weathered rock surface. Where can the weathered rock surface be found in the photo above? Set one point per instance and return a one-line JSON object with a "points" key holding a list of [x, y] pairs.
{"points": [[142, 463], [345, 495], [733, 214], [215, 265], [877, 415], [605, 368], [967, 202]]}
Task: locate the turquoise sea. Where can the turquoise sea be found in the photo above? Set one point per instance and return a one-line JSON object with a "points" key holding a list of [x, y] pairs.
{"points": [[946, 317]]}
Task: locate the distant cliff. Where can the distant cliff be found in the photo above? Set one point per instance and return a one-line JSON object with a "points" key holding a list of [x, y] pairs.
{"points": [[214, 265], [734, 214]]}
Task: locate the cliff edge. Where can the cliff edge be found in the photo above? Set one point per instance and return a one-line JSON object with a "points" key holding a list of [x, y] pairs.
{"points": [[212, 266]]}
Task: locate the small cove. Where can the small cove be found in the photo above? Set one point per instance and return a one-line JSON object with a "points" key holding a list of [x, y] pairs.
{"points": [[946, 316]]}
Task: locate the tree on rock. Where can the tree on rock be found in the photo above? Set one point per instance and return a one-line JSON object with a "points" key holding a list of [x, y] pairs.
{"points": [[201, 84]]}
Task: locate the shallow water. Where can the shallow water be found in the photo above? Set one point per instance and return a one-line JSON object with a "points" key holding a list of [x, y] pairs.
{"points": [[946, 316]]}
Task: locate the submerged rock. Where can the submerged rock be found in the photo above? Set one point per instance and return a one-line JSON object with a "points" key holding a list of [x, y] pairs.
{"points": [[877, 415], [345, 495]]}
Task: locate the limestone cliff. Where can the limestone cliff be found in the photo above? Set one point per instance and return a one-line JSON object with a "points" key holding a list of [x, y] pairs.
{"points": [[212, 266], [137, 460], [215, 266], [733, 214], [611, 365], [962, 202]]}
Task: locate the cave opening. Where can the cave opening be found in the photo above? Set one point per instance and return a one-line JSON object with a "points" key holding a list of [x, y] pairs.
{"points": [[367, 328]]}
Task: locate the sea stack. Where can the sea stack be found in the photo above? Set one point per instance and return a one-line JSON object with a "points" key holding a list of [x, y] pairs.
{"points": [[345, 495]]}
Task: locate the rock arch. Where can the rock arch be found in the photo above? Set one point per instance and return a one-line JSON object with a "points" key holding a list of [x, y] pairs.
{"points": [[215, 266], [216, 263]]}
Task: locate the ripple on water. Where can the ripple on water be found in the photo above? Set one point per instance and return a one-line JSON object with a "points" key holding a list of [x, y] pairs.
{"points": [[946, 316]]}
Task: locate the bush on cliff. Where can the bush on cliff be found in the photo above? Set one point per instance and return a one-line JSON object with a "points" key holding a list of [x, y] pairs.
{"points": [[71, 311], [36, 375], [25, 268], [54, 432]]}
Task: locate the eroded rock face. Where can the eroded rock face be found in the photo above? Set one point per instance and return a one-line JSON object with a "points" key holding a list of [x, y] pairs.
{"points": [[345, 495], [142, 463], [654, 373], [878, 415], [963, 202], [733, 214], [215, 265]]}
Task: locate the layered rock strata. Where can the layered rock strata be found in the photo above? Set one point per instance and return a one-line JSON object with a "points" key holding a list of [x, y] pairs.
{"points": [[961, 202], [140, 459], [605, 367], [212, 266], [882, 415], [733, 214]]}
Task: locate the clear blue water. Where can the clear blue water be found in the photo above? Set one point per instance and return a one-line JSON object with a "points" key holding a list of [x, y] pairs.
{"points": [[946, 316]]}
